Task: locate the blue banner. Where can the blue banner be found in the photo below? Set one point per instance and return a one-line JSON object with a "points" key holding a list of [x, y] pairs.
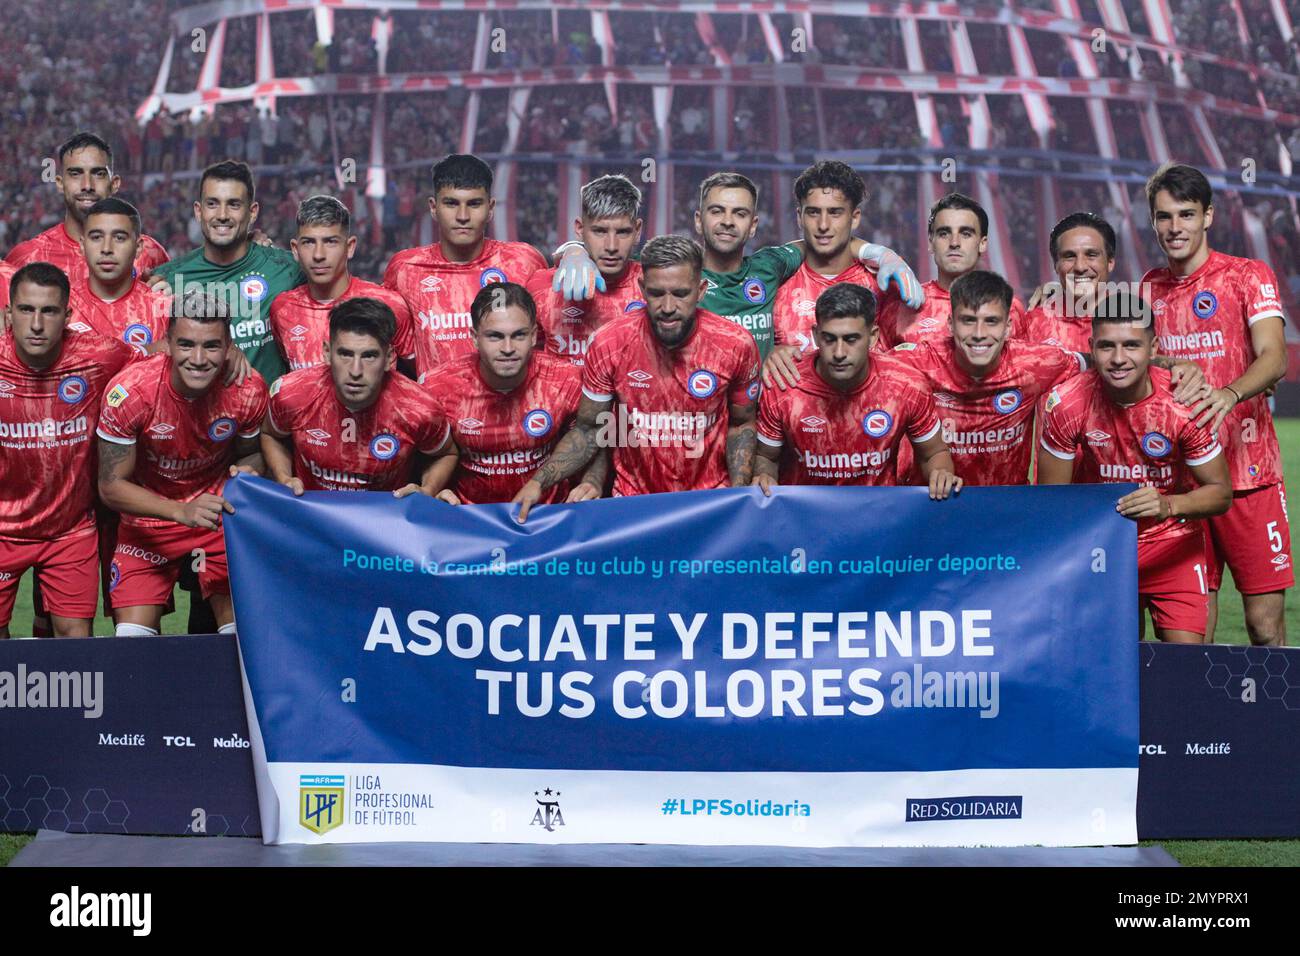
{"points": [[824, 667]]}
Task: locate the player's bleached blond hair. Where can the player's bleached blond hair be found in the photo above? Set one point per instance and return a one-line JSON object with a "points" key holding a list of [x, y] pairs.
{"points": [[610, 197]]}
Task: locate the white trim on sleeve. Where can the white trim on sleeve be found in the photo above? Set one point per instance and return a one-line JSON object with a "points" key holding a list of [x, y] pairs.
{"points": [[1210, 455], [596, 396], [928, 435], [114, 438], [1265, 314], [770, 442], [1056, 453]]}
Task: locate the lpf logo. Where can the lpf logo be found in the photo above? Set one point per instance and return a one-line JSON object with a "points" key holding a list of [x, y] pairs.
{"points": [[702, 383], [321, 801], [1007, 402], [537, 422], [877, 423], [73, 389], [1155, 444], [548, 815], [384, 446], [221, 429]]}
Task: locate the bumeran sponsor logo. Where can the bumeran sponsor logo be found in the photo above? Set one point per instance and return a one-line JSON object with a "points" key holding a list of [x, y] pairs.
{"points": [[75, 909], [79, 690], [46, 429]]}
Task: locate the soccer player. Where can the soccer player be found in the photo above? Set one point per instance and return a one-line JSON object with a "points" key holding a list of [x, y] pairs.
{"points": [[508, 404], [85, 177], [109, 298], [52, 375], [958, 229], [1082, 246], [440, 281], [608, 229], [170, 432], [684, 381], [843, 421], [245, 275], [353, 424], [1226, 314], [1126, 426], [300, 317]]}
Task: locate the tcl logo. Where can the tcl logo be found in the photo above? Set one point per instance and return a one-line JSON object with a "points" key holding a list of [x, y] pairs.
{"points": [[1152, 749], [177, 742]]}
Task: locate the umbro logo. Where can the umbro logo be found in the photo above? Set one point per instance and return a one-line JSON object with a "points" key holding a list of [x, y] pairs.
{"points": [[805, 307], [574, 312], [162, 430], [1096, 435], [945, 398], [430, 284], [6, 388], [469, 424], [640, 376], [319, 434], [79, 326], [1281, 561], [813, 422], [298, 331]]}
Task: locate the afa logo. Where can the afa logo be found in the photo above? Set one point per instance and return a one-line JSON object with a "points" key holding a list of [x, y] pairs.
{"points": [[321, 801], [73, 389], [1004, 403], [634, 305], [221, 429], [114, 575], [1156, 445], [877, 423], [137, 334], [538, 422], [755, 291], [1204, 304], [548, 815], [753, 391], [384, 446], [702, 383], [253, 287], [491, 275]]}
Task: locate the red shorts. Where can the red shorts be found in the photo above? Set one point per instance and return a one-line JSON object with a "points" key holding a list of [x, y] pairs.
{"points": [[1171, 581], [1254, 538], [66, 567], [147, 561]]}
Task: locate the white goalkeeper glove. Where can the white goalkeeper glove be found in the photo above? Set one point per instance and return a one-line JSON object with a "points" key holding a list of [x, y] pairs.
{"points": [[889, 266], [576, 275]]}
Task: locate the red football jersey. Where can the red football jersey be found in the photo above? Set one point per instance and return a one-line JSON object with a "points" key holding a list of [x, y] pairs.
{"points": [[55, 246], [47, 420], [439, 292], [988, 422], [1151, 443], [671, 406], [504, 437], [138, 318], [1047, 327], [1206, 317], [794, 311], [6, 274], [301, 324], [898, 322], [830, 437], [568, 326], [380, 441], [183, 447]]}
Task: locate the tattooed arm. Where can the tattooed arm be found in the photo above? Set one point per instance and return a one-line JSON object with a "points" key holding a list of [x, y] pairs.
{"points": [[572, 453], [741, 439], [119, 492]]}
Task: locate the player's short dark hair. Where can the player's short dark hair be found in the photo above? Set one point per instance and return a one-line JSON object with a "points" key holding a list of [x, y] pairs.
{"points": [[978, 287], [81, 140], [364, 316], [234, 169], [323, 211], [727, 181], [42, 274], [958, 201], [1082, 220], [501, 295], [462, 171], [1122, 308], [1184, 183], [664, 252], [199, 305], [830, 174], [112, 206], [610, 196], [846, 300]]}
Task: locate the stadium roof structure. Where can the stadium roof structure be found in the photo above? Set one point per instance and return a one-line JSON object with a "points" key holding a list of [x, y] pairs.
{"points": [[925, 81]]}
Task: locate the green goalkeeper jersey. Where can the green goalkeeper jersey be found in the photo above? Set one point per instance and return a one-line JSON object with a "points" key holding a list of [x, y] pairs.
{"points": [[746, 296], [247, 286]]}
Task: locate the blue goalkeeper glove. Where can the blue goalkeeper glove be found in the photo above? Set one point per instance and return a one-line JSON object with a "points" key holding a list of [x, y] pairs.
{"points": [[889, 267], [576, 275]]}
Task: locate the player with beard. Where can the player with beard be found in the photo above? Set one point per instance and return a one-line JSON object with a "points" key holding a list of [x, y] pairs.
{"points": [[1082, 246], [54, 376], [246, 276], [1226, 313], [1121, 423], [85, 177], [677, 384], [958, 230], [508, 404], [353, 424], [608, 229], [170, 433], [843, 422], [300, 317]]}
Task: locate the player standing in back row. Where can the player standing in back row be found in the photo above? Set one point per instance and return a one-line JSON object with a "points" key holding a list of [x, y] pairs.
{"points": [[1226, 314]]}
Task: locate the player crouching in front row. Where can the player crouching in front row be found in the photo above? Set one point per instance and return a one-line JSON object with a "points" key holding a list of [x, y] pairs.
{"points": [[1121, 420], [170, 432]]}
